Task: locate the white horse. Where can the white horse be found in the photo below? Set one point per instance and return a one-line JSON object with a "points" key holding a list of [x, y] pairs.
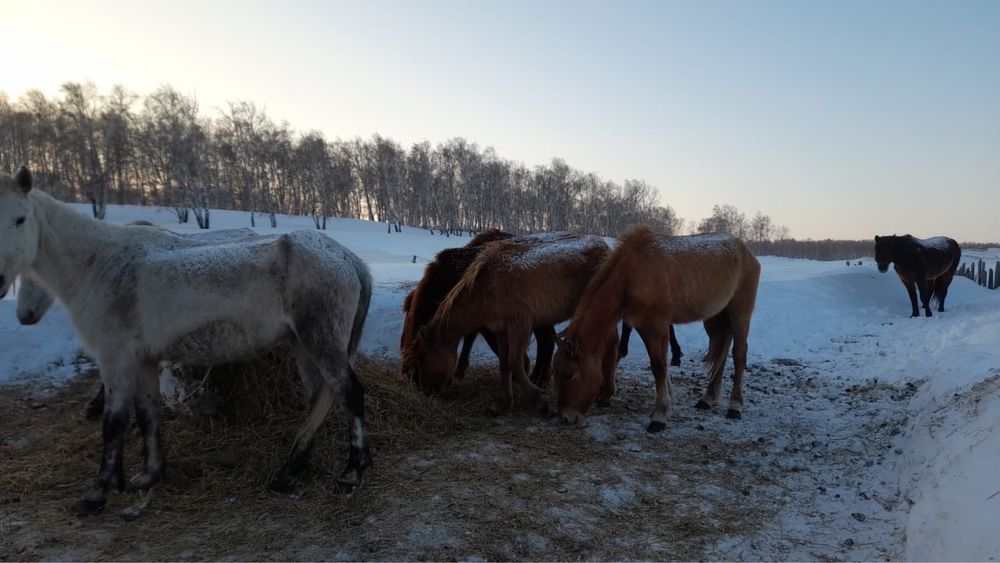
{"points": [[137, 296], [33, 300]]}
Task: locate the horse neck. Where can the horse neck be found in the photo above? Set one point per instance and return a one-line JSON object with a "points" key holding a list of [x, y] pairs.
{"points": [[69, 244], [461, 319], [599, 311]]}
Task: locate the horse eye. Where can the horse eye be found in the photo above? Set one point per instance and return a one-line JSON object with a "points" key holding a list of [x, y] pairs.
{"points": [[19, 221]]}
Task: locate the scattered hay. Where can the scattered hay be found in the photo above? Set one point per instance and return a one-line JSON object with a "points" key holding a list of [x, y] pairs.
{"points": [[448, 481]]}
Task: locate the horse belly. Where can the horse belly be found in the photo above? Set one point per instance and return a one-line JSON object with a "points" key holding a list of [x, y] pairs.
{"points": [[225, 341]]}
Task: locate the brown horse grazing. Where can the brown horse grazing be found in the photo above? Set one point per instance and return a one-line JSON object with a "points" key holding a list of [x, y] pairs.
{"points": [[651, 281], [925, 264], [419, 306], [675, 347], [510, 288]]}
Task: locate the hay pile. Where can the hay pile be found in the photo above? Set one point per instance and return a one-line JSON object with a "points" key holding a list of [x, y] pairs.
{"points": [[440, 465]]}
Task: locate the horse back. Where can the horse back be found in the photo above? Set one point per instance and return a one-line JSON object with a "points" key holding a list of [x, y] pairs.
{"points": [[226, 301], [933, 257], [690, 280], [542, 279]]}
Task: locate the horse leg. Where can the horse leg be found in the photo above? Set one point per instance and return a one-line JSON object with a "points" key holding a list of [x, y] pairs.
{"points": [[463, 358], [320, 397], [925, 294], [342, 382], [941, 290], [717, 328], [623, 343], [352, 400], [95, 407], [518, 338], [505, 399], [675, 349], [148, 409], [119, 386], [911, 289], [609, 365], [739, 320], [656, 347], [545, 344]]}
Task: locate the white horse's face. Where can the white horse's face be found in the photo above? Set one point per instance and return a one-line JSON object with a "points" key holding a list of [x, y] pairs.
{"points": [[19, 231]]}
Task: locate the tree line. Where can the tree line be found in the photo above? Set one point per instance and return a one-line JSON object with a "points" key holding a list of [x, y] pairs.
{"points": [[160, 149]]}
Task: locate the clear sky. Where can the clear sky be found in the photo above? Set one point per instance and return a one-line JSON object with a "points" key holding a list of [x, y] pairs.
{"points": [[839, 119]]}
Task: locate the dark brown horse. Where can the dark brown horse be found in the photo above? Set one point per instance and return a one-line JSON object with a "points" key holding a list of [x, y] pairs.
{"points": [[675, 347], [510, 288], [439, 278], [924, 265], [651, 281]]}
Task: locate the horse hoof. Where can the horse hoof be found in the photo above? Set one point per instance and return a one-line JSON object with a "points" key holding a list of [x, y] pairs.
{"points": [[656, 426], [88, 507], [349, 481], [282, 484], [142, 482], [604, 402], [702, 405], [734, 414], [546, 411]]}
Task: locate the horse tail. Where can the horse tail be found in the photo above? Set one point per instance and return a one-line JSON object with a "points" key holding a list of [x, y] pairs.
{"points": [[946, 277], [720, 340], [364, 300]]}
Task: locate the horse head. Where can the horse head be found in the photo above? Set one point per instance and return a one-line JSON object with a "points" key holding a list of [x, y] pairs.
{"points": [[20, 228], [883, 252], [578, 379], [436, 361]]}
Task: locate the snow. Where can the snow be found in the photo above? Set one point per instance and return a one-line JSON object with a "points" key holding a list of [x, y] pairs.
{"points": [[848, 327], [717, 243], [553, 249], [937, 243]]}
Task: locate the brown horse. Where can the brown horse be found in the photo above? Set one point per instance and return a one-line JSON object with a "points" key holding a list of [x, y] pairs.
{"points": [[419, 306], [510, 288], [651, 281], [928, 265]]}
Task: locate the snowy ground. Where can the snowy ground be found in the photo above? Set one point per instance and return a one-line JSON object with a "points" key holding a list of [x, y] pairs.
{"points": [[866, 434]]}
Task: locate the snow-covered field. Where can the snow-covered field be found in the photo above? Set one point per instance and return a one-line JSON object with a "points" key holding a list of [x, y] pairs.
{"points": [[875, 435]]}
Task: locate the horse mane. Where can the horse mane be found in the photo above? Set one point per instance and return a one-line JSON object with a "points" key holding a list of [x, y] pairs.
{"points": [[489, 235], [484, 262], [629, 244], [420, 305]]}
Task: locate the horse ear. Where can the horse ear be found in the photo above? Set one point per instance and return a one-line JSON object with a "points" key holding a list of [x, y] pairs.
{"points": [[876, 238], [23, 179]]}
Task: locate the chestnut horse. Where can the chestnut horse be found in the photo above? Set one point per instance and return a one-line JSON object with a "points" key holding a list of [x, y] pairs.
{"points": [[651, 281], [419, 306], [511, 287], [925, 264]]}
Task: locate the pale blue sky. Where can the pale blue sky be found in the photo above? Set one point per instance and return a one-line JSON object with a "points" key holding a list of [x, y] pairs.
{"points": [[839, 119]]}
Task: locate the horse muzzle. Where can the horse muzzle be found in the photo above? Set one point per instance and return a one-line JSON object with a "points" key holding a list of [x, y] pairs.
{"points": [[27, 318], [883, 269]]}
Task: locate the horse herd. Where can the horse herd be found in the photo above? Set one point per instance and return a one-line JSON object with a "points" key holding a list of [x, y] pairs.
{"points": [[138, 295]]}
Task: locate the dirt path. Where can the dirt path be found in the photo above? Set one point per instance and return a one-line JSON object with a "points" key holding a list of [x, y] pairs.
{"points": [[807, 474]]}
